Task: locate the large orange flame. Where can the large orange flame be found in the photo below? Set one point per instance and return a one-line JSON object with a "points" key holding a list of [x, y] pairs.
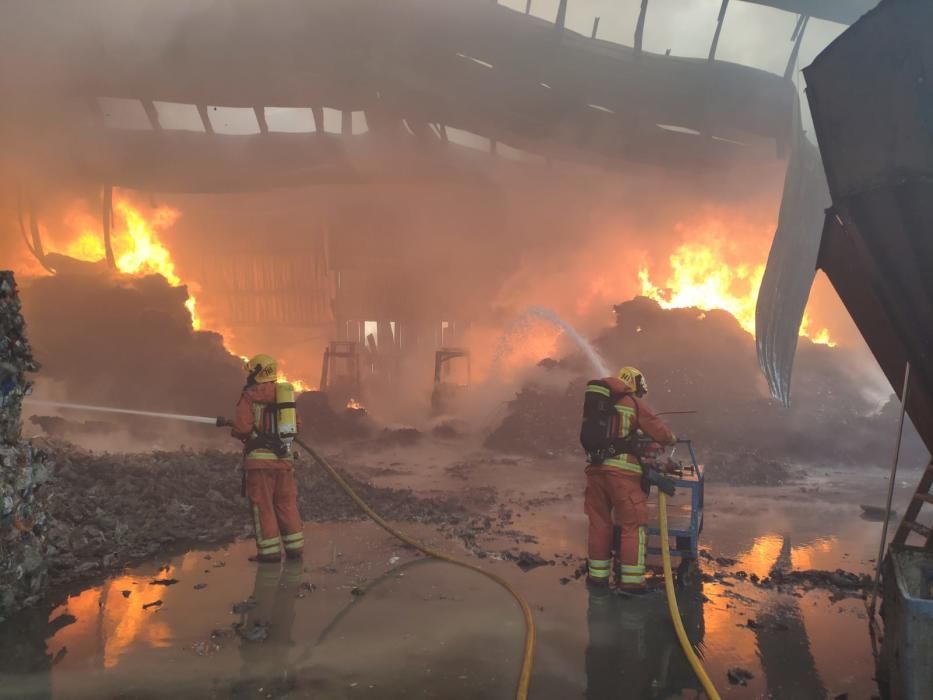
{"points": [[138, 250], [700, 277]]}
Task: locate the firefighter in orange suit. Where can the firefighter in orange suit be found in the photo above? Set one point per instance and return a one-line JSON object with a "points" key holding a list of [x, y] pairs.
{"points": [[265, 420], [614, 492]]}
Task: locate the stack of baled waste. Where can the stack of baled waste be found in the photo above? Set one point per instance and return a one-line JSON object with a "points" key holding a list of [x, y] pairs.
{"points": [[23, 469]]}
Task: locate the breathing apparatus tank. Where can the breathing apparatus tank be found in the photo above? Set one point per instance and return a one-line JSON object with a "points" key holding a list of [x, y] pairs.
{"points": [[286, 416], [275, 425]]}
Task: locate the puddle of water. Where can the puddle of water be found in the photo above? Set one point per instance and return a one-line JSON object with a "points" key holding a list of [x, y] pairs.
{"points": [[432, 630], [426, 617]]}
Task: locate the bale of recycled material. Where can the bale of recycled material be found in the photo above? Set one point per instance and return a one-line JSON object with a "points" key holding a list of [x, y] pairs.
{"points": [[23, 469], [15, 359]]}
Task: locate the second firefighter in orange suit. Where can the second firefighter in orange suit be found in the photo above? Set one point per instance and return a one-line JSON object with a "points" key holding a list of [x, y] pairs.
{"points": [[614, 495], [269, 474]]}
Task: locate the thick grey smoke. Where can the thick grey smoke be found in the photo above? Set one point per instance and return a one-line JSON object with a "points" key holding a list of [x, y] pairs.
{"points": [[479, 238]]}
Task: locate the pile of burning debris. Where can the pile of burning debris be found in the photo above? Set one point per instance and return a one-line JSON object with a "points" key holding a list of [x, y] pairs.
{"points": [[23, 469], [706, 363]]}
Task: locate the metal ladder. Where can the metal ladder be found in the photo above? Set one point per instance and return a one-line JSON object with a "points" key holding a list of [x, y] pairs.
{"points": [[909, 523]]}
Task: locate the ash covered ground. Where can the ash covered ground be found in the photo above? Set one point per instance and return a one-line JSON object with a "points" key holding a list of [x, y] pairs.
{"points": [[783, 571], [104, 511]]}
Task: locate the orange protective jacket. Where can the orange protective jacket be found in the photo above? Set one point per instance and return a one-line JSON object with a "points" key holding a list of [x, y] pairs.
{"points": [[634, 414], [244, 423]]}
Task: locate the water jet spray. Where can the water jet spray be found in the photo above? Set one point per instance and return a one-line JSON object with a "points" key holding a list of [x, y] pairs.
{"points": [[552, 317], [125, 411]]}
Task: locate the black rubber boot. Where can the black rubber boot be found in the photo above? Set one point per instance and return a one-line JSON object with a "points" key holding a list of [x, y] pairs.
{"points": [[266, 558], [639, 592]]}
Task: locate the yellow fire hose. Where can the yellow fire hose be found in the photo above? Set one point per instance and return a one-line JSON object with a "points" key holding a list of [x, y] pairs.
{"points": [[672, 603], [524, 677]]}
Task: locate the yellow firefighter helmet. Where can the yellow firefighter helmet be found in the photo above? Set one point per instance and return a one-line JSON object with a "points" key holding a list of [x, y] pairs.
{"points": [[262, 368], [634, 380]]}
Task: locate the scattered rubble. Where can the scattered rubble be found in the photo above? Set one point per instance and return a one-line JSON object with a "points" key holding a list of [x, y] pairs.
{"points": [[739, 676], [88, 519], [59, 655], [98, 523], [205, 648], [448, 430], [397, 437], [526, 561], [255, 631], [876, 514], [322, 423], [218, 637], [839, 583], [747, 467]]}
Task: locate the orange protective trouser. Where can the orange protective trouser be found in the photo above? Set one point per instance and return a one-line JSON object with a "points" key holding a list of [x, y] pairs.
{"points": [[273, 497], [615, 497]]}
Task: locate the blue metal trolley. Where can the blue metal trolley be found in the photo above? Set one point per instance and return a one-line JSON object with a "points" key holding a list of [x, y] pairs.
{"points": [[686, 541]]}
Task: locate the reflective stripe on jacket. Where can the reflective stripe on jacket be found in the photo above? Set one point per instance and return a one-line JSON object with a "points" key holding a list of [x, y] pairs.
{"points": [[634, 414]]}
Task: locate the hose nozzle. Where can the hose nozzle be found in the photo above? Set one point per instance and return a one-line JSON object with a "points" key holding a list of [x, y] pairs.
{"points": [[224, 422]]}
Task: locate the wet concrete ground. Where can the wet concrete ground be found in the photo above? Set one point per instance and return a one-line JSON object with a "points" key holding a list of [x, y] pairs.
{"points": [[366, 617]]}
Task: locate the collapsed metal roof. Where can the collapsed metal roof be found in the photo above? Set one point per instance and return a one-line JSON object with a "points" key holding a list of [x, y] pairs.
{"points": [[871, 98], [414, 69], [842, 11]]}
